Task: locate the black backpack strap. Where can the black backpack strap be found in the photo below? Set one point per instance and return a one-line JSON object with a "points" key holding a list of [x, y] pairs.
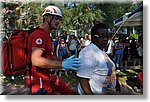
{"points": [[30, 76]]}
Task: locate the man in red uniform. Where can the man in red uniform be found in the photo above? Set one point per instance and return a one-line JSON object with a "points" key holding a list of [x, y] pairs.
{"points": [[40, 55]]}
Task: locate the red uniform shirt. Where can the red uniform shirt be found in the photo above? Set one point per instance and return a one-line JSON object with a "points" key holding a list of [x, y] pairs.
{"points": [[51, 83], [40, 39]]}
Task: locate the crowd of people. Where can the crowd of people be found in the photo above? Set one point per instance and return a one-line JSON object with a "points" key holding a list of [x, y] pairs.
{"points": [[122, 50]]}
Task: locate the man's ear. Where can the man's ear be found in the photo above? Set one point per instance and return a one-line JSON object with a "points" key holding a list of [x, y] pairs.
{"points": [[46, 18]]}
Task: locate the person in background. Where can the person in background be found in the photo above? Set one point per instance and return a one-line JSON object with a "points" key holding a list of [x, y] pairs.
{"points": [[55, 43], [136, 58], [88, 41], [62, 52], [140, 50], [82, 44], [73, 44], [125, 53], [133, 51], [119, 52], [111, 48], [64, 35]]}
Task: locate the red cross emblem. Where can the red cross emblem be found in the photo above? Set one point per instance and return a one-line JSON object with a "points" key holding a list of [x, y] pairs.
{"points": [[39, 41]]}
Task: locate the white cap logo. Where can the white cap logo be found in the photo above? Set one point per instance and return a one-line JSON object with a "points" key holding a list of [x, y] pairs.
{"points": [[39, 41]]}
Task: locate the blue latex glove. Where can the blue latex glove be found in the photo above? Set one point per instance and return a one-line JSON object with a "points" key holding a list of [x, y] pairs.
{"points": [[40, 91], [71, 63]]}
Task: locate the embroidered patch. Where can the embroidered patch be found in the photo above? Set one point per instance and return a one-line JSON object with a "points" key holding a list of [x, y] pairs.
{"points": [[39, 41]]}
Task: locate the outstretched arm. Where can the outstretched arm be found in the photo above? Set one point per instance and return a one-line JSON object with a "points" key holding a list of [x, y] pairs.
{"points": [[38, 60], [70, 63]]}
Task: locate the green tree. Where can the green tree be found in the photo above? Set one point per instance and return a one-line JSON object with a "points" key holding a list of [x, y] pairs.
{"points": [[114, 10], [81, 17]]}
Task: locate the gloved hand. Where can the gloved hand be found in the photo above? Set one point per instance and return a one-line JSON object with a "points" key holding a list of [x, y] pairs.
{"points": [[40, 91], [71, 63]]}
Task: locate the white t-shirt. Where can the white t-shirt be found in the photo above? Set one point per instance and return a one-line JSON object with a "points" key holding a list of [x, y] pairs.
{"points": [[111, 43], [87, 42], [97, 67]]}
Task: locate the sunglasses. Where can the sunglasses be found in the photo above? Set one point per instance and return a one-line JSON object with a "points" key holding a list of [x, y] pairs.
{"points": [[100, 36]]}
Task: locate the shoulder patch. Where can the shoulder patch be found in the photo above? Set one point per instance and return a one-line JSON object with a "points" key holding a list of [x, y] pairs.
{"points": [[39, 41]]}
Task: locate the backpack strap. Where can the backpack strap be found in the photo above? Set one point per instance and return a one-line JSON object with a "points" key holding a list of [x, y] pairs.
{"points": [[10, 56], [29, 64]]}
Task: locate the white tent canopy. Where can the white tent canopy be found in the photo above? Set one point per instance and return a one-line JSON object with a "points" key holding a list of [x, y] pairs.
{"points": [[134, 18]]}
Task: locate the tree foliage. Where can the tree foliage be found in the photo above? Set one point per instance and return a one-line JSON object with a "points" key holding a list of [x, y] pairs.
{"points": [[80, 17], [114, 10]]}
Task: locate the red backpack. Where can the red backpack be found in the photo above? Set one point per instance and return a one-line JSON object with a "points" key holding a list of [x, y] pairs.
{"points": [[14, 55]]}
